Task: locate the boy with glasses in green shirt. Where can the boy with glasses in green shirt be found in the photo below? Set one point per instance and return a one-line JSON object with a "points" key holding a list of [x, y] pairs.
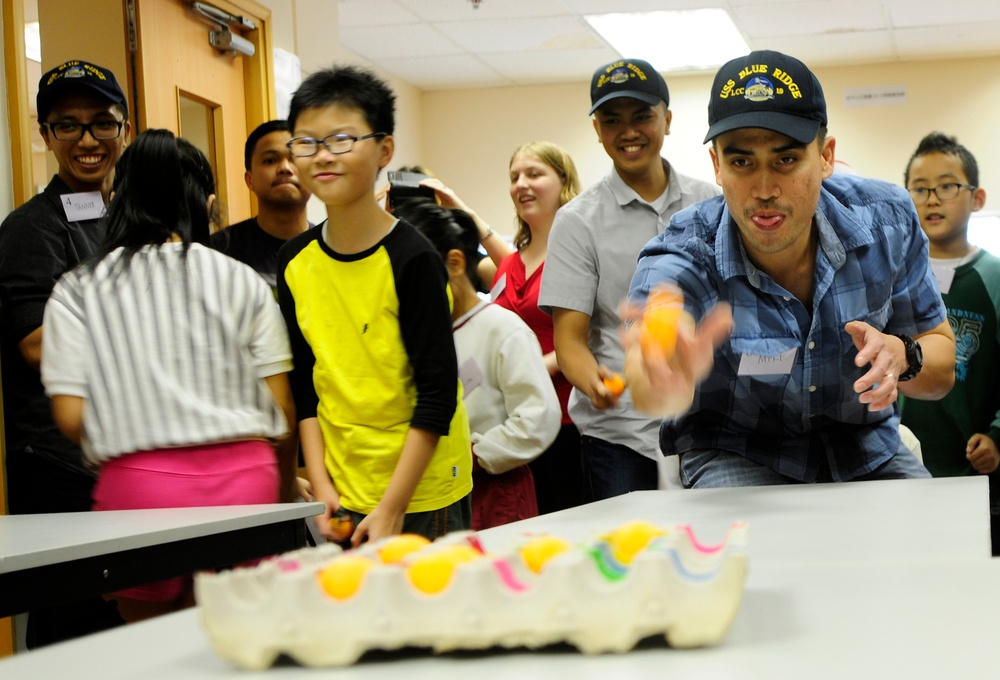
{"points": [[959, 434]]}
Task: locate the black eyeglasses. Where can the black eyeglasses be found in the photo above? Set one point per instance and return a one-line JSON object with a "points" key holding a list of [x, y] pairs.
{"points": [[335, 144], [944, 192], [71, 132]]}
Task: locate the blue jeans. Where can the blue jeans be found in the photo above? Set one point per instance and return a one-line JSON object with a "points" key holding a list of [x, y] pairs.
{"points": [[612, 469], [715, 469]]}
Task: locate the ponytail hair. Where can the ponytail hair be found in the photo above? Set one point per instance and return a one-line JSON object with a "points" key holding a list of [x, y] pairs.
{"points": [[447, 229]]}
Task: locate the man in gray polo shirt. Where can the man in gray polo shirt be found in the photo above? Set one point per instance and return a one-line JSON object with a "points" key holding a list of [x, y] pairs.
{"points": [[593, 247]]}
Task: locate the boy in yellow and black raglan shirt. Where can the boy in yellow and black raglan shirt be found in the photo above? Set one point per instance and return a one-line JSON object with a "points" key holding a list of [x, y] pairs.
{"points": [[382, 427]]}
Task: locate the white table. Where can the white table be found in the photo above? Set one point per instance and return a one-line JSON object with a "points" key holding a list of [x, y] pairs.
{"points": [[872, 580], [926, 620], [45, 559], [893, 521]]}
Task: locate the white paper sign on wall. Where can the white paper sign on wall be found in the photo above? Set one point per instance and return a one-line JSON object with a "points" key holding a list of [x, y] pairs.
{"points": [[880, 95]]}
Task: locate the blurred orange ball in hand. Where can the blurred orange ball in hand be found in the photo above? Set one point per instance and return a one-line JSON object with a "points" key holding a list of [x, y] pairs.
{"points": [[662, 316], [341, 525], [615, 384]]}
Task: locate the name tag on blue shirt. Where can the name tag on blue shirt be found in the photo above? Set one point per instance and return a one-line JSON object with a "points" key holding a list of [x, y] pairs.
{"points": [[781, 364]]}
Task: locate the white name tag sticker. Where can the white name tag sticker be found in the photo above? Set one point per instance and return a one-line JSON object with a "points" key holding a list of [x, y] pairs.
{"points": [[498, 288], [86, 205], [471, 376], [944, 276], [754, 364]]}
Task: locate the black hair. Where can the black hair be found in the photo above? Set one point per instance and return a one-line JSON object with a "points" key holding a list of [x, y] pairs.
{"points": [[259, 133], [447, 229], [161, 188], [938, 142], [348, 86]]}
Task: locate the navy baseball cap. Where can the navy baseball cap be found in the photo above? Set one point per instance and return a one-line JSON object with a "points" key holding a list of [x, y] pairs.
{"points": [[769, 90], [77, 74], [633, 78]]}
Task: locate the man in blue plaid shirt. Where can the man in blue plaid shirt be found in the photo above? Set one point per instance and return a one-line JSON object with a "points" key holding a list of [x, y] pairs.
{"points": [[815, 302]]}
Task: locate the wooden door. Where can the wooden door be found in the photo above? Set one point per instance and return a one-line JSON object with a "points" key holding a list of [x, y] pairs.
{"points": [[186, 85], [175, 72]]}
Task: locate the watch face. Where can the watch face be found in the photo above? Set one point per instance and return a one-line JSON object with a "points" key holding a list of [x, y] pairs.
{"points": [[914, 358]]}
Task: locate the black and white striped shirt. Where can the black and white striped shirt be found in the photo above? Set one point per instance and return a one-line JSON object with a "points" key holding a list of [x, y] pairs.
{"points": [[171, 352]]}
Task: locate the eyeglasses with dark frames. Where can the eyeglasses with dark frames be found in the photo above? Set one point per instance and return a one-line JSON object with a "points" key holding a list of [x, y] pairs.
{"points": [[944, 192], [335, 144], [70, 132]]}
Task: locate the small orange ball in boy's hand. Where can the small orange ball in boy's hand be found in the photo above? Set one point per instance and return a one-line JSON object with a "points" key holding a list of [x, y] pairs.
{"points": [[341, 525], [615, 384], [658, 329]]}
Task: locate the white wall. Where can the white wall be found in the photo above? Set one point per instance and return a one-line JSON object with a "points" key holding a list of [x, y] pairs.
{"points": [[468, 136], [309, 28]]}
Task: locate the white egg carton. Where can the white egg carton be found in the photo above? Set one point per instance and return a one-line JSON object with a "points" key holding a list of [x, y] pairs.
{"points": [[675, 587]]}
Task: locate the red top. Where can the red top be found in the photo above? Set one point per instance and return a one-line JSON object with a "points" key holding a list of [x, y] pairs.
{"points": [[520, 295]]}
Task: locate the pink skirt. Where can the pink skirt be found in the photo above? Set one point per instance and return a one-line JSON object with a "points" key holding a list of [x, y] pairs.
{"points": [[230, 473]]}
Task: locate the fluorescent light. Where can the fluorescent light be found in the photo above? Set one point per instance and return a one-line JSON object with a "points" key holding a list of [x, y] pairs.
{"points": [[673, 41], [32, 42]]}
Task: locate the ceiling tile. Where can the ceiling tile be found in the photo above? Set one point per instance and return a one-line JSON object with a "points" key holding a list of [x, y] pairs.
{"points": [[812, 18], [353, 13], [488, 10], [397, 42], [605, 7], [437, 73], [450, 44], [550, 67], [932, 13], [516, 35], [916, 43], [765, 3], [820, 50]]}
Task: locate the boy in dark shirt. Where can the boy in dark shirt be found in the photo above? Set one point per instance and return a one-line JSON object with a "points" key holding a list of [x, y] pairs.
{"points": [[83, 118], [281, 203]]}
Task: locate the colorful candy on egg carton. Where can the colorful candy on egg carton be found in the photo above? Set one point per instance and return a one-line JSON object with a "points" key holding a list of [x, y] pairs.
{"points": [[325, 607]]}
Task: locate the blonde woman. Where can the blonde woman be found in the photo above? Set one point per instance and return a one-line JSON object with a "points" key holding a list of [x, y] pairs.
{"points": [[543, 178]]}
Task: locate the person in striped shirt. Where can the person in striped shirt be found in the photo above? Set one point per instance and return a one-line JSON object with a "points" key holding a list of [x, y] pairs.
{"points": [[168, 361]]}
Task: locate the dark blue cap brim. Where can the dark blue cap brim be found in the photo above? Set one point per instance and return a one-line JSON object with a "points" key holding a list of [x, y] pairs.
{"points": [[644, 97], [802, 130]]}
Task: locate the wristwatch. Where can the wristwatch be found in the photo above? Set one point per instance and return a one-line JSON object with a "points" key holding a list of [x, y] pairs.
{"points": [[914, 357]]}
